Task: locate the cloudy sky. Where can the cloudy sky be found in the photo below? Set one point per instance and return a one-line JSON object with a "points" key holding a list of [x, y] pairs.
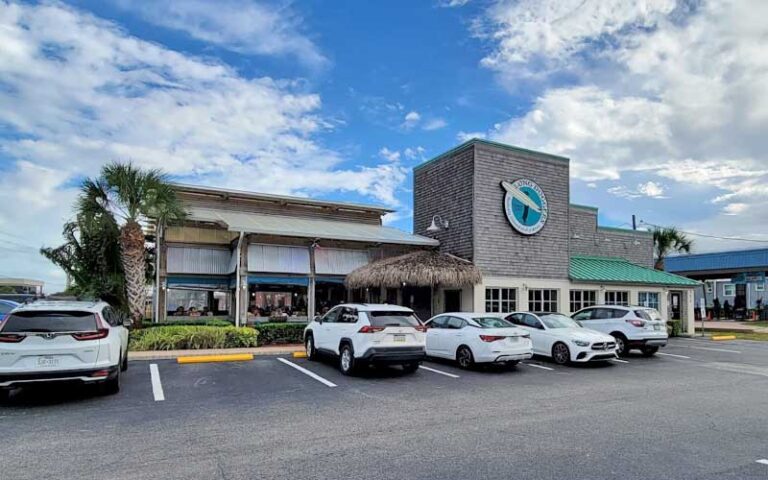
{"points": [[661, 105]]}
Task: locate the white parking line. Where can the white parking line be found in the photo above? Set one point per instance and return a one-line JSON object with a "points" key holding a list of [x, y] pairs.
{"points": [[671, 355], [763, 461], [157, 387], [438, 371], [303, 370], [707, 348], [619, 360], [537, 366]]}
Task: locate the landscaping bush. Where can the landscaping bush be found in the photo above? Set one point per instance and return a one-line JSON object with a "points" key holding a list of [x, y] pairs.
{"points": [[192, 337], [674, 328], [280, 333], [204, 321]]}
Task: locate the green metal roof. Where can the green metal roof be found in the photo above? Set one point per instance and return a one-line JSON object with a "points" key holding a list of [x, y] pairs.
{"points": [[618, 270]]}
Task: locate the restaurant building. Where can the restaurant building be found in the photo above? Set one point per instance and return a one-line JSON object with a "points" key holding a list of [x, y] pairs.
{"points": [[494, 230]]}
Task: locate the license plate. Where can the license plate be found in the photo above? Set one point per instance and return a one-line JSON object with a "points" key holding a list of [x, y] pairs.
{"points": [[47, 362], [512, 339], [657, 327], [400, 338]]}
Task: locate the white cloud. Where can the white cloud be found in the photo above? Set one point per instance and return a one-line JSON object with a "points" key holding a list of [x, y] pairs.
{"points": [[243, 26], [411, 119], [434, 124], [78, 92], [463, 136], [390, 155], [648, 189], [414, 153], [651, 189], [735, 208], [452, 3]]}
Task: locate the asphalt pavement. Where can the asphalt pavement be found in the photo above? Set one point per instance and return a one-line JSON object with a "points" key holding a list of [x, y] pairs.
{"points": [[696, 412]]}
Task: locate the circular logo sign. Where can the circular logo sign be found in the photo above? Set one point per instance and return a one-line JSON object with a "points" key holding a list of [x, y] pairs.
{"points": [[525, 206]]}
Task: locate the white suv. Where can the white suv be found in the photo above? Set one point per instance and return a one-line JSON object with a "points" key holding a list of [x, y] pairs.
{"points": [[631, 326], [362, 334], [47, 341]]}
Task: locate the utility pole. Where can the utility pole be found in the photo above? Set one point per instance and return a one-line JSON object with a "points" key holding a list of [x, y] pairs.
{"points": [[634, 222]]}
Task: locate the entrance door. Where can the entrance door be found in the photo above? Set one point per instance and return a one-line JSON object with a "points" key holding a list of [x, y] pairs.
{"points": [[674, 304], [419, 299], [452, 300]]}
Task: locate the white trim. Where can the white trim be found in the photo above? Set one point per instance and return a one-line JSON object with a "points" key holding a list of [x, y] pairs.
{"points": [[303, 370]]}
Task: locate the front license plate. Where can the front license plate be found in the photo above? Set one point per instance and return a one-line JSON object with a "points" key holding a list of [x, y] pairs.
{"points": [[400, 338], [657, 327], [47, 362], [512, 339]]}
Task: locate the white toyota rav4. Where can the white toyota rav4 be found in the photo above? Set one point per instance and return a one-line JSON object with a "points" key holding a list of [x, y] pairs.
{"points": [[47, 341], [362, 334]]}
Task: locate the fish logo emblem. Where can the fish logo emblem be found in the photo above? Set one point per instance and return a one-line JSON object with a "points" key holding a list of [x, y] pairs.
{"points": [[525, 206]]}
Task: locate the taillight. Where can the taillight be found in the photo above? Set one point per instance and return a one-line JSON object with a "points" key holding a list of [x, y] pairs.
{"points": [[420, 328], [97, 335], [11, 338], [370, 329], [637, 323], [491, 338]]}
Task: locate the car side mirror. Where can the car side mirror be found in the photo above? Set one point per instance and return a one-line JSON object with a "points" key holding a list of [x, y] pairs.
{"points": [[318, 319], [127, 323]]}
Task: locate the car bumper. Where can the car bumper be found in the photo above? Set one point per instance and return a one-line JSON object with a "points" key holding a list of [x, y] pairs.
{"points": [[82, 376], [499, 357], [393, 355], [594, 355], [647, 342]]}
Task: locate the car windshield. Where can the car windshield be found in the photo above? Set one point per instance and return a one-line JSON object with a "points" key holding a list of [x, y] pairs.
{"points": [[30, 322], [492, 322], [393, 319], [558, 321]]}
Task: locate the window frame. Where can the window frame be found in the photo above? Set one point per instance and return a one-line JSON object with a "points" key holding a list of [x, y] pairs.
{"points": [[647, 304], [731, 287], [499, 302], [553, 300], [581, 303], [760, 286], [615, 293]]}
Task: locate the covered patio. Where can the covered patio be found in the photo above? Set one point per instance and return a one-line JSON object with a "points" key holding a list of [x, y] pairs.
{"points": [[414, 279]]}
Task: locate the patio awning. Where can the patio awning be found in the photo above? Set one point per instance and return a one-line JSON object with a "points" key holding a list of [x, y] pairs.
{"points": [[289, 226], [618, 270], [423, 268]]}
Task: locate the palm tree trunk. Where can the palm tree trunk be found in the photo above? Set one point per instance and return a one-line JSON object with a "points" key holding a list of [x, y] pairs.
{"points": [[132, 256]]}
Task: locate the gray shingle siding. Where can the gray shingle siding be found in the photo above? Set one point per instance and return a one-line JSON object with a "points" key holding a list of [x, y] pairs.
{"points": [[589, 239], [499, 249], [444, 187]]}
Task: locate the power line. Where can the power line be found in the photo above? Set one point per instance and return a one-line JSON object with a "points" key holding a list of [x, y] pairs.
{"points": [[718, 237]]}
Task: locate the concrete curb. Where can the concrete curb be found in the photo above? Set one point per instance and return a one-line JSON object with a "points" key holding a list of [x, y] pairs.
{"points": [[174, 354]]}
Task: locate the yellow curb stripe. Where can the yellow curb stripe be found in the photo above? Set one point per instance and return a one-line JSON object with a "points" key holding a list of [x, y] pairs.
{"points": [[299, 354], [236, 357], [723, 337]]}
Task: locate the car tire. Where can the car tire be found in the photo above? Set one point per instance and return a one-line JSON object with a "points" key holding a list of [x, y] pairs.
{"points": [[464, 357], [346, 360], [309, 347], [411, 367], [124, 364], [111, 386], [622, 349], [649, 351], [561, 354], [5, 395]]}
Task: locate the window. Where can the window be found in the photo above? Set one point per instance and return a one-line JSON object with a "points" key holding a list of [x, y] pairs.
{"points": [[5, 308], [438, 322], [582, 299], [393, 319], [50, 321], [709, 287], [492, 322], [331, 316], [542, 300], [585, 315], [729, 290], [456, 323], [500, 299], [648, 299], [533, 322], [760, 287], [617, 297], [348, 315]]}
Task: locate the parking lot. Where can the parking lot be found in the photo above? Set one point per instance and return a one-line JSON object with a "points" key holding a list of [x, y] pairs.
{"points": [[696, 411]]}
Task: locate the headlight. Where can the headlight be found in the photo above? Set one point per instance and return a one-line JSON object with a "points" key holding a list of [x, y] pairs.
{"points": [[581, 343]]}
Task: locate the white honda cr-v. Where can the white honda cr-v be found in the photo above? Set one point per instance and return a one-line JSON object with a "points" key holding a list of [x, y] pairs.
{"points": [[52, 341]]}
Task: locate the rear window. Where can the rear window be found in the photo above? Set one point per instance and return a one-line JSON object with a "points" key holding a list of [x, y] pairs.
{"points": [[643, 314], [20, 322], [393, 319], [492, 322]]}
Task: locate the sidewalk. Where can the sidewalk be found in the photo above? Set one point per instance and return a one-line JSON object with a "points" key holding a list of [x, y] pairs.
{"points": [[172, 354], [730, 326]]}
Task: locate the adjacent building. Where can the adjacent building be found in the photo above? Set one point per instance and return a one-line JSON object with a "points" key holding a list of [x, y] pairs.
{"points": [[494, 230]]}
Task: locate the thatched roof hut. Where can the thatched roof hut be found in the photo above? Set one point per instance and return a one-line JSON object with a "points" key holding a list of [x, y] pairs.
{"points": [[422, 268]]}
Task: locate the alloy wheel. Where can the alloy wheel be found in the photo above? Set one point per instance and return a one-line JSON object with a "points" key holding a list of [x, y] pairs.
{"points": [[346, 359], [464, 358], [561, 354], [309, 347]]}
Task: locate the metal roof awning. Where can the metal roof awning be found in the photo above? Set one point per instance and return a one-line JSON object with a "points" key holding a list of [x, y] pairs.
{"points": [[248, 222], [618, 270]]}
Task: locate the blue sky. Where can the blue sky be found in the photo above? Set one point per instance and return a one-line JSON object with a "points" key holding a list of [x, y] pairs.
{"points": [[661, 105]]}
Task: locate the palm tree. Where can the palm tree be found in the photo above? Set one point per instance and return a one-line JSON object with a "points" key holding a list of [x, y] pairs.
{"points": [[134, 197], [668, 240]]}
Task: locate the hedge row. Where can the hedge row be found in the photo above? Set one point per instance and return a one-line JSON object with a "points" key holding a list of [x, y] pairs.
{"points": [[192, 337], [203, 321], [280, 333]]}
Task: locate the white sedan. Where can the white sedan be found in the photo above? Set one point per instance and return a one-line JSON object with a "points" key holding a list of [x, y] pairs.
{"points": [[470, 338], [559, 337]]}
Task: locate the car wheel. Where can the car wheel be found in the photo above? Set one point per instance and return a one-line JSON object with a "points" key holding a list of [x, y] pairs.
{"points": [[650, 351], [309, 347], [622, 349], [561, 354], [411, 367], [346, 360], [111, 386], [464, 357], [124, 364], [5, 395]]}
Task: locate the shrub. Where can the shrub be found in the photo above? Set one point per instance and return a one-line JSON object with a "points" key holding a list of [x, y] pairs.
{"points": [[192, 337], [674, 328], [280, 333], [206, 321]]}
